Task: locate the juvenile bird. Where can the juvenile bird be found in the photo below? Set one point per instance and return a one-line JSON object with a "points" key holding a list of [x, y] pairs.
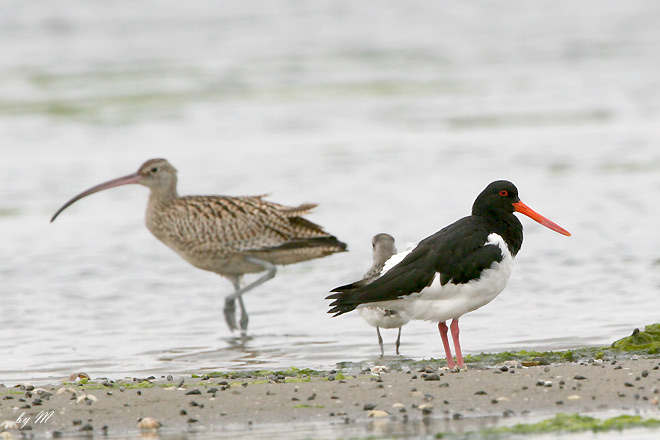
{"points": [[383, 249]]}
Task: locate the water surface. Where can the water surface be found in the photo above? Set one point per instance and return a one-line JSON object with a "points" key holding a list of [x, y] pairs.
{"points": [[392, 117]]}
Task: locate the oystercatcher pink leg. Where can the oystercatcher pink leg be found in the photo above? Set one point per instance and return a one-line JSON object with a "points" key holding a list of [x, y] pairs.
{"points": [[455, 331], [442, 327]]}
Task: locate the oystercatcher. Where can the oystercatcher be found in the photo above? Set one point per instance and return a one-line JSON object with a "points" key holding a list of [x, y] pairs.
{"points": [[454, 271], [383, 250]]}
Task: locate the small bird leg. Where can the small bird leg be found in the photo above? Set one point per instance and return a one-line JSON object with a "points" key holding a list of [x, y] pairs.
{"points": [[380, 342], [398, 341], [457, 345], [442, 327]]}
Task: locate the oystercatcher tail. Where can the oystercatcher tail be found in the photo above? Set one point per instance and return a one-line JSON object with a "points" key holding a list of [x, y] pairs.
{"points": [[383, 250], [454, 271]]}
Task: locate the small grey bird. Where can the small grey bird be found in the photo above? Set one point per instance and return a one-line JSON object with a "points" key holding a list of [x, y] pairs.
{"points": [[383, 250]]}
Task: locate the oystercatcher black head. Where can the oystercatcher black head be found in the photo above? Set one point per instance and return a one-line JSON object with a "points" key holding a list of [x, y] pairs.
{"points": [[496, 205], [458, 269]]}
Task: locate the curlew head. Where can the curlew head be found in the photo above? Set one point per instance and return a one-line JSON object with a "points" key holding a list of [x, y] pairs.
{"points": [[156, 174]]}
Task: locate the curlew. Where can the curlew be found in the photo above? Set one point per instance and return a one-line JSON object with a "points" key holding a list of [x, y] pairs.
{"points": [[454, 271], [383, 250], [231, 236]]}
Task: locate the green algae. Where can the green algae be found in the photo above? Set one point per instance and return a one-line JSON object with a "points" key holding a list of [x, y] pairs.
{"points": [[647, 340], [573, 423], [87, 384]]}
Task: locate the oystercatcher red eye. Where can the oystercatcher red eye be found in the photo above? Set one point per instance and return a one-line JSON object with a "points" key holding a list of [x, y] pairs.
{"points": [[504, 193]]}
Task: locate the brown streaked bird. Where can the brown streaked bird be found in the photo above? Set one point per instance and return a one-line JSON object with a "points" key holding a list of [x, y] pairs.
{"points": [[231, 236]]}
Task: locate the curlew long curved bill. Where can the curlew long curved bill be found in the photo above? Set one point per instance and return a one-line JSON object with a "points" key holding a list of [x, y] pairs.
{"points": [[126, 180], [529, 212]]}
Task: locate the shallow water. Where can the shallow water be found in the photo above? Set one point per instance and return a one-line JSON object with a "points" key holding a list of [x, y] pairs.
{"points": [[391, 117]]}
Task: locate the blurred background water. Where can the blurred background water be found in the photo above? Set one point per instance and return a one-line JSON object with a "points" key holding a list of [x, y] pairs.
{"points": [[392, 116]]}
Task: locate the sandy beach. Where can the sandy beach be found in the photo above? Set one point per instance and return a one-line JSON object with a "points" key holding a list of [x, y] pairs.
{"points": [[236, 405]]}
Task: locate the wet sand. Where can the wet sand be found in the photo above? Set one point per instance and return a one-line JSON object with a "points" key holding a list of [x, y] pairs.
{"points": [[240, 404]]}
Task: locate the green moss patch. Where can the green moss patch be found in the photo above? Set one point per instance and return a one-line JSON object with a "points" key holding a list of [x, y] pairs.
{"points": [[574, 423], [647, 340]]}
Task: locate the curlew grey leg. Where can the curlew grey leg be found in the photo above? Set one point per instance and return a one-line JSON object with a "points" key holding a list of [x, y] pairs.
{"points": [[380, 342], [271, 269], [398, 341], [244, 316], [230, 305]]}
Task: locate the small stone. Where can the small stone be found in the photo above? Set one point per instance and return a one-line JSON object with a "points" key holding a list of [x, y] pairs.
{"points": [[368, 406], [573, 397], [377, 413], [628, 384], [645, 373], [481, 393], [170, 378], [192, 392], [149, 423], [432, 377]]}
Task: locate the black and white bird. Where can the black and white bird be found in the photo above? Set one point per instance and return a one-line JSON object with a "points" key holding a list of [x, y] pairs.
{"points": [[383, 250], [460, 268]]}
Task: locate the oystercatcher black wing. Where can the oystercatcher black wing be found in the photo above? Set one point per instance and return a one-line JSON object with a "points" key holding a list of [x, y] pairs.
{"points": [[457, 253]]}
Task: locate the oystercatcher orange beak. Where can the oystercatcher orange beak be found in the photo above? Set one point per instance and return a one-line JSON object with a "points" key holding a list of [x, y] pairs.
{"points": [[529, 212]]}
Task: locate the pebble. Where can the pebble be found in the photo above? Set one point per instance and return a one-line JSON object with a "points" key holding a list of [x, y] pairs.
{"points": [[8, 424], [377, 413], [149, 423], [579, 377], [432, 377], [195, 391], [369, 406]]}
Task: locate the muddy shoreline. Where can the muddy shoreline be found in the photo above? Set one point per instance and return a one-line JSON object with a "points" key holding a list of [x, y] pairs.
{"points": [[239, 403]]}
